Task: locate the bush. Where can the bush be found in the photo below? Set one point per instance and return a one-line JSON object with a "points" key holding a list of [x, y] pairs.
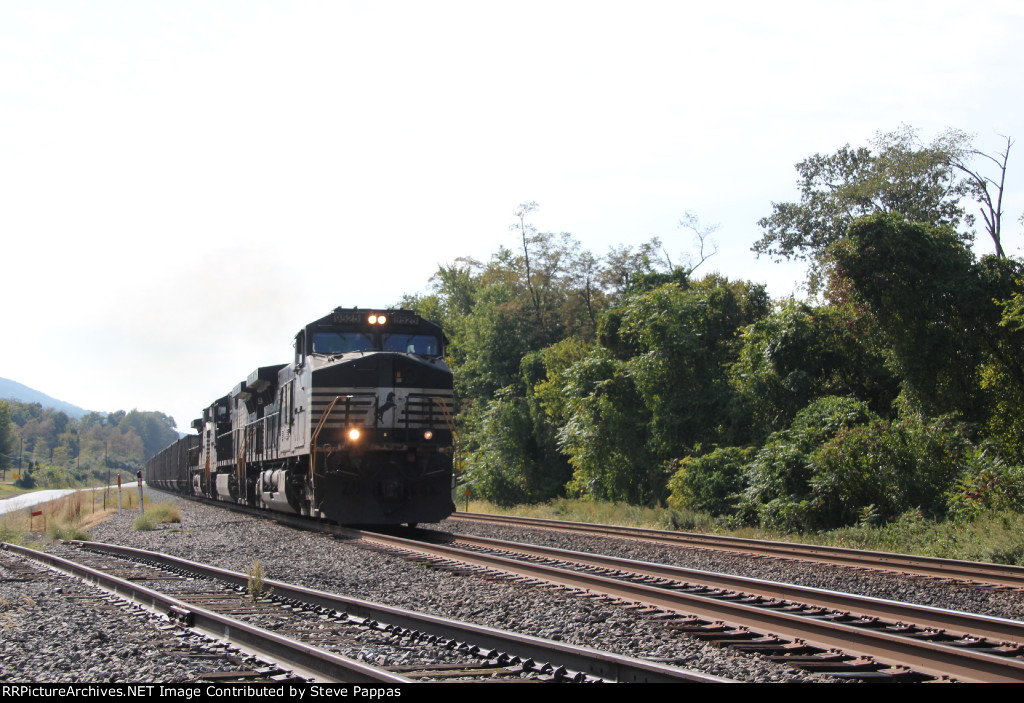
{"points": [[710, 483], [986, 485], [164, 513], [778, 480], [26, 481], [886, 469], [12, 533]]}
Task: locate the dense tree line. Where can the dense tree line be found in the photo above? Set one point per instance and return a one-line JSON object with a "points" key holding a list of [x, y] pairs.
{"points": [[60, 451], [899, 385]]}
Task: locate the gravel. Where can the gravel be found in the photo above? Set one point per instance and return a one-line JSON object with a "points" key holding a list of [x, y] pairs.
{"points": [[51, 631], [922, 590], [30, 652]]}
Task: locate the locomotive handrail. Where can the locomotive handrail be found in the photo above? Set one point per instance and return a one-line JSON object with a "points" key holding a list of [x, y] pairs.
{"points": [[316, 436], [445, 412], [241, 458], [449, 420]]}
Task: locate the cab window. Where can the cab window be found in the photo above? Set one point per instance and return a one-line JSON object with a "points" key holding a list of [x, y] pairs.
{"points": [[423, 344], [341, 342]]}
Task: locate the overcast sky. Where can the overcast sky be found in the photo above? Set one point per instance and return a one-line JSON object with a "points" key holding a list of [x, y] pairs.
{"points": [[183, 185]]}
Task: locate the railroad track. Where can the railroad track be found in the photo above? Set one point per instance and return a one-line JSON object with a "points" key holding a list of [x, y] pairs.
{"points": [[823, 631], [314, 621], [211, 661], [982, 573], [842, 638]]}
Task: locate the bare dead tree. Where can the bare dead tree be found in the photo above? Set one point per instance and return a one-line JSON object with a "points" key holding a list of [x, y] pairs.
{"points": [[703, 232], [991, 203], [527, 232]]}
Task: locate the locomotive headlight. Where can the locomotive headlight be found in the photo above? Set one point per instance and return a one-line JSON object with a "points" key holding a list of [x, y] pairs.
{"points": [[377, 319], [353, 434], [428, 435], [381, 319], [372, 319]]}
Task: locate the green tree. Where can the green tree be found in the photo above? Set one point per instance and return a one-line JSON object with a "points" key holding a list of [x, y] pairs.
{"points": [[712, 482], [155, 429], [605, 436], [934, 305], [680, 342], [896, 174], [7, 439], [658, 389], [1003, 379], [881, 469], [498, 466], [800, 353]]}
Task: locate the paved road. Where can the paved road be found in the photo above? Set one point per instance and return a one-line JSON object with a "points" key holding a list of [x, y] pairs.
{"points": [[28, 500]]}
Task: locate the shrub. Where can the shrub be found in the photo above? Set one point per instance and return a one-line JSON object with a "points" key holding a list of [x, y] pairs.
{"points": [[26, 481], [710, 483], [887, 467], [164, 513], [156, 515], [778, 479], [986, 484]]}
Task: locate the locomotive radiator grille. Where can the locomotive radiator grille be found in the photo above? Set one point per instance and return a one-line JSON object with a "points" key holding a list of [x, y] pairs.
{"points": [[353, 408], [414, 410]]}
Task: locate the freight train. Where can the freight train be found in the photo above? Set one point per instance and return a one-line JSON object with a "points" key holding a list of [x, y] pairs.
{"points": [[357, 429]]}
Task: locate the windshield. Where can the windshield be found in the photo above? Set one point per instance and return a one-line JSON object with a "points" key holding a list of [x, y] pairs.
{"points": [[341, 342], [423, 344]]}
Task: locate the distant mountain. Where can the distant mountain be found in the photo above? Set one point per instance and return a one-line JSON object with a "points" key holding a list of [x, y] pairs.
{"points": [[18, 391]]}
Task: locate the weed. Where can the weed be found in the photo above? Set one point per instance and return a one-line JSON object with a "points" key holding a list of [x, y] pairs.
{"points": [[158, 514], [164, 513], [12, 533], [144, 523], [991, 536], [66, 532], [7, 625], [257, 581]]}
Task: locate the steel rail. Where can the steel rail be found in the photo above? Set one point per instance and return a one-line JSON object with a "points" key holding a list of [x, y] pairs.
{"points": [[980, 572], [605, 665], [926, 657], [305, 660], [964, 624]]}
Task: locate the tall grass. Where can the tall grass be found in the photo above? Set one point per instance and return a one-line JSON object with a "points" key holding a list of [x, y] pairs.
{"points": [[582, 511], [992, 537], [157, 515], [63, 518]]}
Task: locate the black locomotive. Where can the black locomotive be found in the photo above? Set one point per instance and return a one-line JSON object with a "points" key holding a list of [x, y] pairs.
{"points": [[357, 429]]}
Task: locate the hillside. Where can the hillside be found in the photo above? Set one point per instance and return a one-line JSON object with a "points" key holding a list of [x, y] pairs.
{"points": [[21, 392]]}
